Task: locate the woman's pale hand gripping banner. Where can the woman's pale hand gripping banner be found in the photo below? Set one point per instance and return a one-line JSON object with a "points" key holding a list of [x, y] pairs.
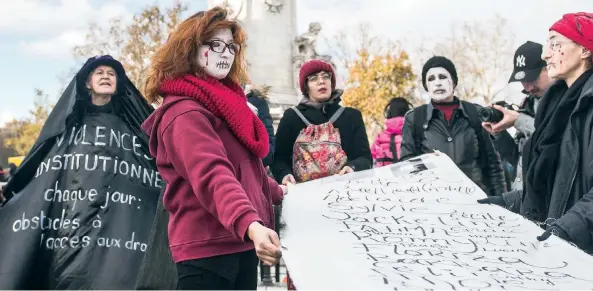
{"points": [[417, 225]]}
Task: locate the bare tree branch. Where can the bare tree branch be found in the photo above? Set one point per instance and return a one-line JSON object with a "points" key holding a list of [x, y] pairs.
{"points": [[133, 43], [345, 45], [481, 52]]}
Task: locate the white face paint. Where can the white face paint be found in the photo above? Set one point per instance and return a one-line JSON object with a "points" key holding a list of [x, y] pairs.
{"points": [[215, 57], [439, 84]]}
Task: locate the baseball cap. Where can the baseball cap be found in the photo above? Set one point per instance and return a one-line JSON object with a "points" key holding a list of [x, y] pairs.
{"points": [[527, 63]]}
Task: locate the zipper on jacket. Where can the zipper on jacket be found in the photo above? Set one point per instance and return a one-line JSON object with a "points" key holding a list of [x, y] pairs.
{"points": [[449, 132], [451, 143], [574, 175]]}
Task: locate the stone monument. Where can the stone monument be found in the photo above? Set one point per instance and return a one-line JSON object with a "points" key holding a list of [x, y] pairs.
{"points": [[274, 52], [305, 50]]}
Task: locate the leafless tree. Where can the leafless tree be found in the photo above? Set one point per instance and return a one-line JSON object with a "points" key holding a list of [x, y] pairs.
{"points": [[482, 52], [132, 43]]}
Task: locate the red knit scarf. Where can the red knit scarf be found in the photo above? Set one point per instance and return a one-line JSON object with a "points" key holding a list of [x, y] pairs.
{"points": [[226, 100]]}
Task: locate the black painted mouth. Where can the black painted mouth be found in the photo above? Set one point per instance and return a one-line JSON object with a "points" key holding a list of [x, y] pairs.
{"points": [[223, 65]]}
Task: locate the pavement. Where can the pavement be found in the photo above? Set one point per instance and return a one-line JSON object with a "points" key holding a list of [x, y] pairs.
{"points": [[274, 287]]}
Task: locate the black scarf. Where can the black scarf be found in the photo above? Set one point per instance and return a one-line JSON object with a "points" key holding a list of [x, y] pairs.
{"points": [[541, 152], [335, 98]]}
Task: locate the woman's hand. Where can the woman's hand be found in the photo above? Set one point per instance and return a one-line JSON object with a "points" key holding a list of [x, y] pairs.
{"points": [[284, 189], [288, 179], [346, 170], [266, 242]]}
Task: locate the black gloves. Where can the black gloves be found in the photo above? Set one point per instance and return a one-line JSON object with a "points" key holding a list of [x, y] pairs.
{"points": [[553, 230], [496, 200]]}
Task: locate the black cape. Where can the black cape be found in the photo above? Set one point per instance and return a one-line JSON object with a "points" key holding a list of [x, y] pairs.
{"points": [[82, 202]]}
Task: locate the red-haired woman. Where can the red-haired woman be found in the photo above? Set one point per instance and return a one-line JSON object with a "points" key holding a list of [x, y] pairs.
{"points": [[208, 146]]}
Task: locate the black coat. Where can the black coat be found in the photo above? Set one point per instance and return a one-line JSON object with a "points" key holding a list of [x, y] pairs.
{"points": [[130, 106], [26, 260], [511, 150], [569, 206], [353, 135], [263, 112], [460, 143]]}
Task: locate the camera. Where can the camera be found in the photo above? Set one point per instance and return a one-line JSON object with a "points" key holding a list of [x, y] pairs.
{"points": [[489, 114]]}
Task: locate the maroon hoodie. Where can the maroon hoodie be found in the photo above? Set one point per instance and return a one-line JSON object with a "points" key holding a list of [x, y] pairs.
{"points": [[215, 187]]}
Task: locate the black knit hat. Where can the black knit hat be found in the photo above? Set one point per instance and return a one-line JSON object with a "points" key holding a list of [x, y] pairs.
{"points": [[439, 62]]}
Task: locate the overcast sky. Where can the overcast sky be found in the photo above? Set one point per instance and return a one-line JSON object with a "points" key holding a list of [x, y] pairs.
{"points": [[36, 36]]}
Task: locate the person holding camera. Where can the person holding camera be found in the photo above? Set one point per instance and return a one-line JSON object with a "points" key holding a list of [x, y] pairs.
{"points": [[453, 127], [531, 71]]}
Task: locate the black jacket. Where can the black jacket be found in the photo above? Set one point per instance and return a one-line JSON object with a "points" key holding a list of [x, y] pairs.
{"points": [[511, 150], [460, 143], [263, 112], [27, 260], [350, 125], [129, 104], [569, 206]]}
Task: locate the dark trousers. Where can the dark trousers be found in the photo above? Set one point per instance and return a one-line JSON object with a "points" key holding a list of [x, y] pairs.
{"points": [[158, 270], [227, 272]]}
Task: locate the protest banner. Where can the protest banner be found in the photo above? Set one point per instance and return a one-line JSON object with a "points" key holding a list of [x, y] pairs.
{"points": [[417, 225], [83, 201], [88, 209]]}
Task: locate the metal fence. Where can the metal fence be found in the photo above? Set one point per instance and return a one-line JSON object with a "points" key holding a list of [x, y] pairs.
{"points": [[273, 275]]}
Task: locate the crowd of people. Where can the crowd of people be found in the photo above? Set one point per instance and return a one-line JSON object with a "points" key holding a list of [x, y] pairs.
{"points": [[220, 168], [548, 158]]}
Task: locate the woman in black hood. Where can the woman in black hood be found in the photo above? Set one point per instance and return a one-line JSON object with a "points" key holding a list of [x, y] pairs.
{"points": [[81, 203]]}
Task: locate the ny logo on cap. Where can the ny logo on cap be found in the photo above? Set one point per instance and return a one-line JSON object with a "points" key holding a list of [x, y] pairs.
{"points": [[520, 61]]}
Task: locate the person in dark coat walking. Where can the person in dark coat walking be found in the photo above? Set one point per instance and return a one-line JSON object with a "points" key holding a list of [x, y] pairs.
{"points": [[257, 101], [257, 97], [557, 158]]}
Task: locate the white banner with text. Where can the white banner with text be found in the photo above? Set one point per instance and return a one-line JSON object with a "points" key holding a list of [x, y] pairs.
{"points": [[417, 225]]}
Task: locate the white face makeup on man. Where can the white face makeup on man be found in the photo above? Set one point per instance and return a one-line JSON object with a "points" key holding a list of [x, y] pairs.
{"points": [[439, 84], [216, 56]]}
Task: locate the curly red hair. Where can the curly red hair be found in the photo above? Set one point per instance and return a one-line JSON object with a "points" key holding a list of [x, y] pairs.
{"points": [[178, 55]]}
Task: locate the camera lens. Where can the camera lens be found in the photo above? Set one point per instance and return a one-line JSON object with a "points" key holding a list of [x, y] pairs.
{"points": [[489, 114]]}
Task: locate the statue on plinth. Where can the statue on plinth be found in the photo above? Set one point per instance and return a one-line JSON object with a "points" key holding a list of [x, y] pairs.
{"points": [[305, 50]]}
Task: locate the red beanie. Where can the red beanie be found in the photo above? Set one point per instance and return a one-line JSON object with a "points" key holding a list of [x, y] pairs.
{"points": [[578, 27], [314, 66]]}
